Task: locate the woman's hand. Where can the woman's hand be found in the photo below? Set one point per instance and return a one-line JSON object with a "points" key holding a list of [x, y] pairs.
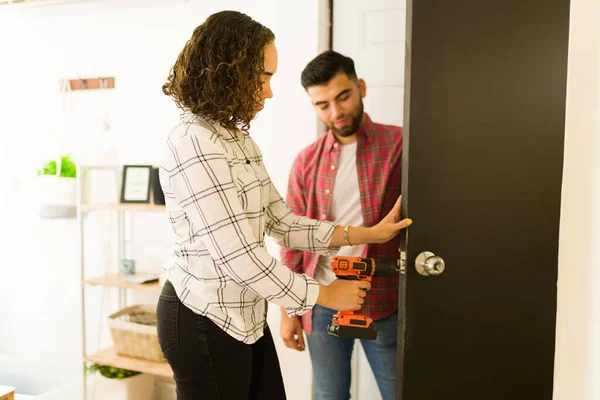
{"points": [[343, 295], [390, 226], [383, 232]]}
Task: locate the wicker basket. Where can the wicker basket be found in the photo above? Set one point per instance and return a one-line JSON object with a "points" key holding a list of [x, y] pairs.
{"points": [[133, 331]]}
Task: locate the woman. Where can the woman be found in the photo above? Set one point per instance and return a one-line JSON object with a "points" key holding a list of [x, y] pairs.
{"points": [[221, 203]]}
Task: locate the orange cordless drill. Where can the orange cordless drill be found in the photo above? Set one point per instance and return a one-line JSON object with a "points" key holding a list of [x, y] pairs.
{"points": [[345, 323]]}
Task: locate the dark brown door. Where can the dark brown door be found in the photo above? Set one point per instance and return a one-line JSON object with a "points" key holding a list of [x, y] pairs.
{"points": [[484, 124]]}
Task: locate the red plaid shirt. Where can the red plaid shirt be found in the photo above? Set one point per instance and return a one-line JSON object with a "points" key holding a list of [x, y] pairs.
{"points": [[310, 191]]}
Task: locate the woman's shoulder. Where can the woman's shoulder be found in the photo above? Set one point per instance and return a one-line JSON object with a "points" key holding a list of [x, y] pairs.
{"points": [[201, 131], [192, 126]]}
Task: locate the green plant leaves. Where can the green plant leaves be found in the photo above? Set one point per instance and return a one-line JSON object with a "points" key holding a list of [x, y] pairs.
{"points": [[111, 372], [68, 169], [48, 169]]}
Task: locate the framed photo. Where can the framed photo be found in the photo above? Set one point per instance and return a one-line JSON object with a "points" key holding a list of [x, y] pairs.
{"points": [[136, 184]]}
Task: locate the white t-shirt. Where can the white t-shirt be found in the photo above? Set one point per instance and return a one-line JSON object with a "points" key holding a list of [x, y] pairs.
{"points": [[345, 209]]}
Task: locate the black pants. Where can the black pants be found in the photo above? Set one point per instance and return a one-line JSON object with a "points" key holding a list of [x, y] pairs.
{"points": [[208, 364]]}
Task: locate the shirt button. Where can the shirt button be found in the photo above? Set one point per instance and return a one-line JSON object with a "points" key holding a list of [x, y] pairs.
{"points": [[323, 216], [332, 166], [335, 145], [327, 191]]}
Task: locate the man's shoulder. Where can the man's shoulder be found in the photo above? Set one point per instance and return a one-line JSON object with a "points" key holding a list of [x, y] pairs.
{"points": [[388, 130], [308, 153], [387, 136]]}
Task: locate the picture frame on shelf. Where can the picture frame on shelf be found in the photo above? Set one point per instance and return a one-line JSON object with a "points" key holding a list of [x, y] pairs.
{"points": [[136, 184], [157, 192]]}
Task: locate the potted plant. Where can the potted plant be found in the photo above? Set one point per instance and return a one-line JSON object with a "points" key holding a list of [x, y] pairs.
{"points": [[58, 188], [119, 383]]}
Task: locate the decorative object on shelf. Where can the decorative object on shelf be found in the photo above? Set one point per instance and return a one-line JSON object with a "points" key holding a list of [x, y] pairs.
{"points": [[158, 195], [58, 188], [110, 372], [127, 267], [119, 383], [133, 330], [136, 184], [67, 85]]}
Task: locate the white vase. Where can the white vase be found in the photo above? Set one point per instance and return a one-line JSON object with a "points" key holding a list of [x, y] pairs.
{"points": [[138, 387], [58, 196]]}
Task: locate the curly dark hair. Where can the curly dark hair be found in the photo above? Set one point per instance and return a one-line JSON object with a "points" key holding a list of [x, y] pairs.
{"points": [[218, 74]]}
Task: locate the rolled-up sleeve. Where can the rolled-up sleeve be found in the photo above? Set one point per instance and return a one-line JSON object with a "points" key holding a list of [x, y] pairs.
{"points": [[203, 185]]}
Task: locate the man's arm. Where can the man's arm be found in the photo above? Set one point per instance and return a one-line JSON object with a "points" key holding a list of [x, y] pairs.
{"points": [[291, 327], [295, 198]]}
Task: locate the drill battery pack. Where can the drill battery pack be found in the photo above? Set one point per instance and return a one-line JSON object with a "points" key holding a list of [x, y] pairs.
{"points": [[350, 325]]}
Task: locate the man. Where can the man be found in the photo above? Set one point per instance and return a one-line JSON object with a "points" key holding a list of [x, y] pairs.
{"points": [[350, 176]]}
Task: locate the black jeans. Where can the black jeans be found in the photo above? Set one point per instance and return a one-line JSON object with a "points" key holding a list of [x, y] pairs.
{"points": [[207, 363]]}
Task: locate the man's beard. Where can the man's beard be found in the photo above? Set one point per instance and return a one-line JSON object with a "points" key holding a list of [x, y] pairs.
{"points": [[354, 126]]}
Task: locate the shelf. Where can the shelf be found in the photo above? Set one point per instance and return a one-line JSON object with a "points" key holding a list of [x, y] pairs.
{"points": [[6, 392], [135, 207], [112, 359], [116, 281]]}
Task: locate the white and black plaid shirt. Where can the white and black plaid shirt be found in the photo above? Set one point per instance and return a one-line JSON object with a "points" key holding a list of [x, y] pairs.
{"points": [[221, 202]]}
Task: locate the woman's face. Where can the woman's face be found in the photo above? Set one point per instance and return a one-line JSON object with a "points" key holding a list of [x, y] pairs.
{"points": [[270, 67]]}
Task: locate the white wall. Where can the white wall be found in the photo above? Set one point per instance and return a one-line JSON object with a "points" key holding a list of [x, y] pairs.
{"points": [[39, 296], [578, 327], [38, 273]]}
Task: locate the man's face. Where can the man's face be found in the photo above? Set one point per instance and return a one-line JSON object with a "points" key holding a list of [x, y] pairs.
{"points": [[339, 103]]}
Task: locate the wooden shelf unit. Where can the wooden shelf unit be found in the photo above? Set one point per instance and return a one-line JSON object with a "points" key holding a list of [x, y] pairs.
{"points": [[134, 207], [117, 281], [108, 356], [111, 358]]}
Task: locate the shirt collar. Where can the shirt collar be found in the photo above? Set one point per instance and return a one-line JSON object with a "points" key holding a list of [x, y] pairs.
{"points": [[366, 131], [191, 117]]}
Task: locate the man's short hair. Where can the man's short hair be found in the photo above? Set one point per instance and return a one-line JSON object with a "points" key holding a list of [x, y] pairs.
{"points": [[323, 67]]}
